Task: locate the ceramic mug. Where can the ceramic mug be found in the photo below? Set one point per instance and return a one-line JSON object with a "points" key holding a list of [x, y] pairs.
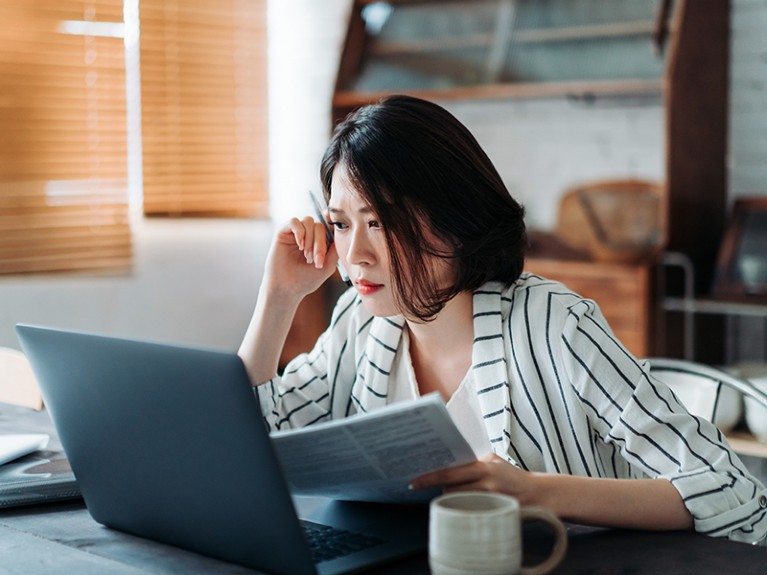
{"points": [[480, 533]]}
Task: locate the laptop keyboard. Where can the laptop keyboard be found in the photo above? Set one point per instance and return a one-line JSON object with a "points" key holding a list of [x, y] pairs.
{"points": [[328, 543]]}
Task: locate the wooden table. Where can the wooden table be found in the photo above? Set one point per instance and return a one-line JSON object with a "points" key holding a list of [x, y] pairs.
{"points": [[63, 539]]}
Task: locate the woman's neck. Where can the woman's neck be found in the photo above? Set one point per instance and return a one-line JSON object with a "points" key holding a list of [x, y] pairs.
{"points": [[440, 350], [452, 324]]}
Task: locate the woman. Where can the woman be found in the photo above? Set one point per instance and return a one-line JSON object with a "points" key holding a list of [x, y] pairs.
{"points": [[531, 373]]}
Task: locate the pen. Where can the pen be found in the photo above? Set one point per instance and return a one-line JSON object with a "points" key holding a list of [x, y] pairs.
{"points": [[319, 209]]}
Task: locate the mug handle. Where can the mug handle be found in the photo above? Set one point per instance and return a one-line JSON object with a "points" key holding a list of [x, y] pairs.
{"points": [[560, 533]]}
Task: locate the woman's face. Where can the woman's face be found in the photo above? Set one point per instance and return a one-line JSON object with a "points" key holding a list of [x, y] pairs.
{"points": [[361, 244]]}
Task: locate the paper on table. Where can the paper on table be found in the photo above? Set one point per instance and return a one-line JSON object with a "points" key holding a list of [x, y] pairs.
{"points": [[373, 456], [16, 445]]}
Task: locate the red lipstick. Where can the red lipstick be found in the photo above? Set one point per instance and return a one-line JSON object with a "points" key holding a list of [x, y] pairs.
{"points": [[365, 287]]}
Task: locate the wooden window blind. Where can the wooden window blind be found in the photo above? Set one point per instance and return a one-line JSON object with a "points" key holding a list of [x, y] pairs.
{"points": [[204, 115], [63, 174]]}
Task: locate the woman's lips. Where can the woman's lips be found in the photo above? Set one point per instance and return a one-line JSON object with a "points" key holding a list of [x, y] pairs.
{"points": [[365, 287]]}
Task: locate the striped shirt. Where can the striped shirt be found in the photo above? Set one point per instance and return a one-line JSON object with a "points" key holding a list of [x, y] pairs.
{"points": [[557, 391]]}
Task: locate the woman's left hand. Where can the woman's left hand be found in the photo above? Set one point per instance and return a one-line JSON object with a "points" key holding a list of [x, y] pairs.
{"points": [[491, 473], [623, 503]]}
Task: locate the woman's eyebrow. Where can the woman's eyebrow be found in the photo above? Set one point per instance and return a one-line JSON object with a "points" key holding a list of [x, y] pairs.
{"points": [[339, 211]]}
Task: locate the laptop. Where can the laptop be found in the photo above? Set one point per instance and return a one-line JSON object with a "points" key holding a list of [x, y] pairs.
{"points": [[167, 442]]}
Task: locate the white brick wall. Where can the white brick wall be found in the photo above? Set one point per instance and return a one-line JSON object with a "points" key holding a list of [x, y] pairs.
{"points": [[541, 147], [747, 159], [748, 99]]}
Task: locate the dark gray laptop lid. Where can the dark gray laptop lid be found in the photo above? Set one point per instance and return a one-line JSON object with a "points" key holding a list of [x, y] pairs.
{"points": [[169, 443]]}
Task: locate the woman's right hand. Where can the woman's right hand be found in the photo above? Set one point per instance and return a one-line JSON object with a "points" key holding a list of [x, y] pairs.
{"points": [[299, 259]]}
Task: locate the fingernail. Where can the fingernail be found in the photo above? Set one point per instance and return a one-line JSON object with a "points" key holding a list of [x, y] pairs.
{"points": [[309, 258]]}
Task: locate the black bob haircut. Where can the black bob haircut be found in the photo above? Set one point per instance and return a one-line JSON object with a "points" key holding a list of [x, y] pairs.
{"points": [[419, 168]]}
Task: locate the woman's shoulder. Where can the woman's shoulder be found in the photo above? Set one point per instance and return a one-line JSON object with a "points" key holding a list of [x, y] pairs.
{"points": [[534, 285], [533, 292]]}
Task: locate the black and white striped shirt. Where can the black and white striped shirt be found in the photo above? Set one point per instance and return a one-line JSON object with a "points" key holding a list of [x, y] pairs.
{"points": [[557, 391]]}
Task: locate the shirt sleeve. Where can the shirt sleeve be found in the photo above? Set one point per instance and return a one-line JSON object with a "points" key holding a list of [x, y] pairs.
{"points": [[655, 433], [315, 386]]}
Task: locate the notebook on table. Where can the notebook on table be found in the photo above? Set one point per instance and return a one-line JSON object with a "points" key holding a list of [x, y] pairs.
{"points": [[33, 469], [43, 476], [168, 442], [15, 445]]}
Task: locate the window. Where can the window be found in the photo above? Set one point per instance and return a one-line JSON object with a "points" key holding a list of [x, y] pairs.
{"points": [[64, 168], [63, 176], [203, 98]]}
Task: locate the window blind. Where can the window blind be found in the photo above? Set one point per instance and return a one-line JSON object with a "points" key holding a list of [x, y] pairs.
{"points": [[203, 98], [63, 175]]}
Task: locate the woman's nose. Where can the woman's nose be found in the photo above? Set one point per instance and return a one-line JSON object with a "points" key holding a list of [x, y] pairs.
{"points": [[359, 251]]}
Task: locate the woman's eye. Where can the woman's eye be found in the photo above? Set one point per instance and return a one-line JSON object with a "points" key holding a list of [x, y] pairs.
{"points": [[374, 224], [339, 225]]}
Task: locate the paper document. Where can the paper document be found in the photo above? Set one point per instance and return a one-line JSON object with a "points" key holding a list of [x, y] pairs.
{"points": [[18, 444], [373, 456]]}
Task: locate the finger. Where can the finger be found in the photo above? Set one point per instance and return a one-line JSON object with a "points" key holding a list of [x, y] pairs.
{"points": [[492, 458], [449, 476], [470, 486], [295, 227], [331, 254], [320, 245], [308, 247]]}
